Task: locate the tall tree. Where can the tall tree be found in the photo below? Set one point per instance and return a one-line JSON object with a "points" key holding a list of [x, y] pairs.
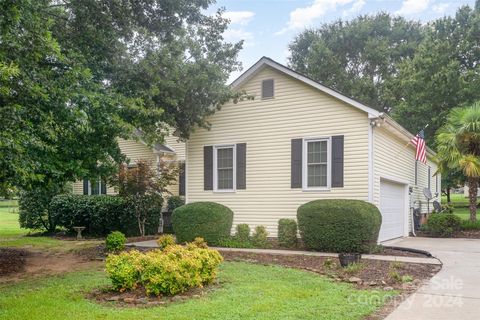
{"points": [[443, 74], [458, 143], [76, 75], [356, 57]]}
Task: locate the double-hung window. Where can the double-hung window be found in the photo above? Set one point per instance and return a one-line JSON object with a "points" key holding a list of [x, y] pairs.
{"points": [[316, 164], [224, 168], [91, 187]]}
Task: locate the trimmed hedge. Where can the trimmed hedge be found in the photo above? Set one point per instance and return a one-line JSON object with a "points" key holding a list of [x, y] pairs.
{"points": [[442, 224], [100, 214], [209, 220], [287, 233], [339, 225]]}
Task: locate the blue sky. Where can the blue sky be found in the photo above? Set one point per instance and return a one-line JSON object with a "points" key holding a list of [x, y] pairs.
{"points": [[268, 26]]}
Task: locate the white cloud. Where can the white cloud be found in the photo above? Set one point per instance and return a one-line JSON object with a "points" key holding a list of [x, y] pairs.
{"points": [[410, 7], [235, 35], [239, 17], [441, 8], [355, 8], [303, 17]]}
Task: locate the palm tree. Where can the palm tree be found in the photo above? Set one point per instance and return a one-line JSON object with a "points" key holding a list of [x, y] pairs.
{"points": [[458, 144]]}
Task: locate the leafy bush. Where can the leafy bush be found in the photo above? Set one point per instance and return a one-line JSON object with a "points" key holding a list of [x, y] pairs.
{"points": [[469, 225], [171, 271], [124, 269], [347, 226], [115, 241], [165, 240], [243, 232], [174, 202], [259, 237], [199, 242], [100, 214], [287, 233], [34, 210], [234, 242], [209, 220], [447, 207], [442, 224]]}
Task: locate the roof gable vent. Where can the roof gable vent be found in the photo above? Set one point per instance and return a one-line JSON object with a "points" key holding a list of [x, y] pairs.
{"points": [[267, 89]]}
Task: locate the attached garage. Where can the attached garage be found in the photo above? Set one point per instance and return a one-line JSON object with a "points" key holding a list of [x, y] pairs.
{"points": [[393, 206]]}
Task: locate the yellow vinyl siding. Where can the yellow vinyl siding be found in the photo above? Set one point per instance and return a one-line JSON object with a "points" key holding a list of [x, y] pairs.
{"points": [[136, 150], [394, 159], [267, 127]]}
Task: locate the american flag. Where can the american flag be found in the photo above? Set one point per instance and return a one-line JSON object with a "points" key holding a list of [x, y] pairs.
{"points": [[419, 142]]}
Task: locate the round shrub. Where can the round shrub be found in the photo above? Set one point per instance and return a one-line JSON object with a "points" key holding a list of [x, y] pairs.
{"points": [[243, 232], [115, 241], [339, 225], [209, 220], [442, 224], [259, 237], [287, 233]]}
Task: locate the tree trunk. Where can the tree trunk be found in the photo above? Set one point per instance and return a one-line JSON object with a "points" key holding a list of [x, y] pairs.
{"points": [[472, 195], [448, 195]]}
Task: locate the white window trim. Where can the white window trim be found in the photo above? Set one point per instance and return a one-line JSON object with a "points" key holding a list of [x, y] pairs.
{"points": [[305, 186], [215, 172], [99, 188]]}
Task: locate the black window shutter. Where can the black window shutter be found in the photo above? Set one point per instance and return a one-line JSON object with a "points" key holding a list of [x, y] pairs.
{"points": [[208, 168], [241, 166], [337, 161], [181, 180], [267, 88], [85, 186], [103, 187], [296, 163]]}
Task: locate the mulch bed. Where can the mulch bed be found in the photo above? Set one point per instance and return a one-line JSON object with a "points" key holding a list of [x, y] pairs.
{"points": [[373, 274], [469, 234], [12, 261], [400, 253], [138, 297]]}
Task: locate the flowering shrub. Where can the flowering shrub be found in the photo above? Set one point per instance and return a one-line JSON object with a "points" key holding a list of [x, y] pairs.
{"points": [[165, 240], [169, 271]]}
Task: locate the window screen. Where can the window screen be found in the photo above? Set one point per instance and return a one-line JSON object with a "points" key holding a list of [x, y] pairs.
{"points": [[317, 161], [225, 168]]}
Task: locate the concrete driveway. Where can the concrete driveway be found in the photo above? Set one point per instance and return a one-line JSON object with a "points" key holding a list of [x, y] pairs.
{"points": [[453, 293]]}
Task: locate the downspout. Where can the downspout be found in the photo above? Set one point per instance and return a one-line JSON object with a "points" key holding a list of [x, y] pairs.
{"points": [[374, 121]]}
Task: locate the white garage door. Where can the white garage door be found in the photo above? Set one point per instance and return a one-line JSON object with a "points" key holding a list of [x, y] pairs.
{"points": [[392, 207]]}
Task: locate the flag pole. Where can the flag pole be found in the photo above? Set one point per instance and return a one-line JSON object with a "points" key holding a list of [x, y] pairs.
{"points": [[409, 141]]}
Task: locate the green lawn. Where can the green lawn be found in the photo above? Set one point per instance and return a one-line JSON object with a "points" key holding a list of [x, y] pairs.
{"points": [[11, 235], [248, 292], [460, 205]]}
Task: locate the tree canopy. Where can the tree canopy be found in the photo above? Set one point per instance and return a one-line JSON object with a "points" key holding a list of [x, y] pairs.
{"points": [[443, 74], [76, 75], [356, 57]]}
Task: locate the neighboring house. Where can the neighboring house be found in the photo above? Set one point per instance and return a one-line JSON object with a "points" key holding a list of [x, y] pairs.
{"points": [[466, 192], [171, 150], [299, 141]]}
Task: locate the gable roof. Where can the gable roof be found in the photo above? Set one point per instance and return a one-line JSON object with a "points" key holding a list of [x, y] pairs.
{"points": [[396, 128], [265, 61]]}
